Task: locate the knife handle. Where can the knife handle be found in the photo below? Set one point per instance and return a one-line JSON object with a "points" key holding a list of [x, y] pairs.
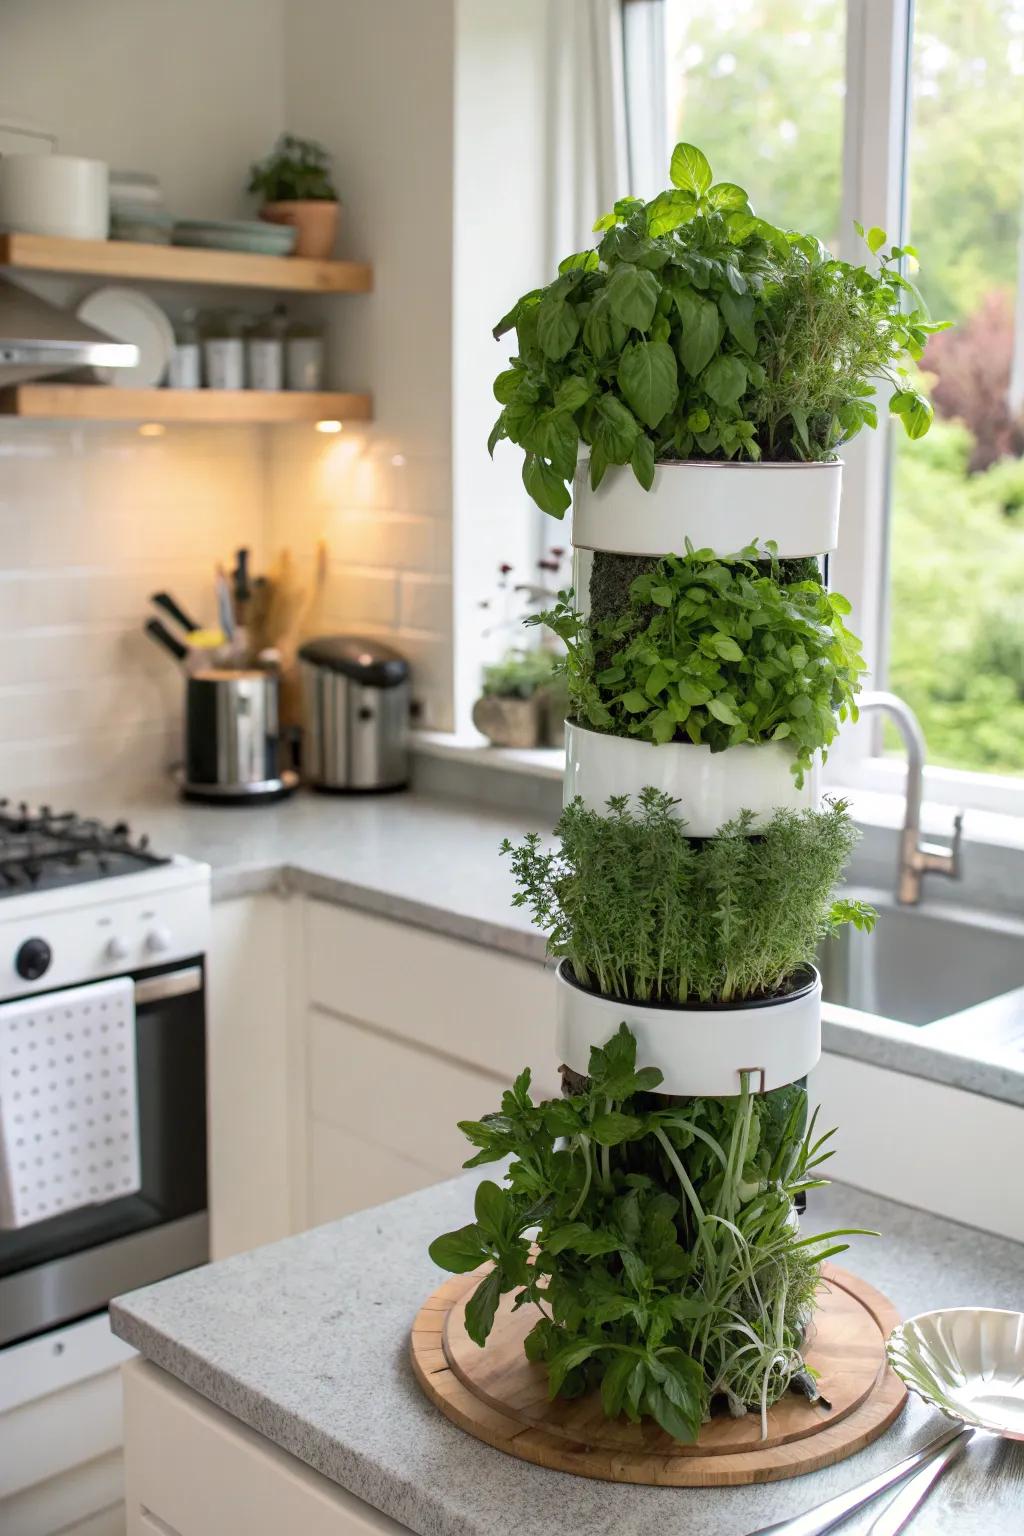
{"points": [[913, 1494], [815, 1522]]}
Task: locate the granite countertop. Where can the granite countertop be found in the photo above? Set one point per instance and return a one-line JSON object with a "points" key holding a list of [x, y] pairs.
{"points": [[306, 1341], [434, 863]]}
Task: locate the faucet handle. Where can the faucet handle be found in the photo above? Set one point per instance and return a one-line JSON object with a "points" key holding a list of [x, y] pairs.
{"points": [[955, 850]]}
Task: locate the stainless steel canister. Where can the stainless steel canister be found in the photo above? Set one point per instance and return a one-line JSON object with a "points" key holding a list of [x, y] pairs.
{"points": [[356, 714]]}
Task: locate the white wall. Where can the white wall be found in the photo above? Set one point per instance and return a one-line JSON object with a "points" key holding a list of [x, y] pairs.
{"points": [[373, 81], [500, 252], [191, 90]]}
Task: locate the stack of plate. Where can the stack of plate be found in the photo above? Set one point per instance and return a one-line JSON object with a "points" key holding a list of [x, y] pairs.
{"points": [[252, 235]]}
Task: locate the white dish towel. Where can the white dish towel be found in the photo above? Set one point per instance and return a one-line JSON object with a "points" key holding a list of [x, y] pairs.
{"points": [[69, 1112]]}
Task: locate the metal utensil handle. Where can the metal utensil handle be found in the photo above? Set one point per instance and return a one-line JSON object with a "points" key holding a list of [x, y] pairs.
{"points": [[913, 1494], [814, 1522]]}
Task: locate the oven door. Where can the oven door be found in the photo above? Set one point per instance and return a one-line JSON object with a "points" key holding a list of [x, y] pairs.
{"points": [[64, 1268]]}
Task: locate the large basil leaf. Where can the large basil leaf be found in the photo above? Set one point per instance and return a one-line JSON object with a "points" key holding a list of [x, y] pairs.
{"points": [[724, 379], [633, 296], [647, 377], [547, 488], [701, 328], [690, 169], [557, 326]]}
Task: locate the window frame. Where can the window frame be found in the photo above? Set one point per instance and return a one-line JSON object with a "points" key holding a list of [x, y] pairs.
{"points": [[875, 159]]}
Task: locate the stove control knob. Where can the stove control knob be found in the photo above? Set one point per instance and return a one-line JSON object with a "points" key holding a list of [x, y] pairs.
{"points": [[117, 949], [158, 940], [33, 959]]}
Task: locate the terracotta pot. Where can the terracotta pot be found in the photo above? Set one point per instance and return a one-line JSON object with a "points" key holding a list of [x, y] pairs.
{"points": [[507, 722], [315, 219]]}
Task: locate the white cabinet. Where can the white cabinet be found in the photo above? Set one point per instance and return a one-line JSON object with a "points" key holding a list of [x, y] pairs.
{"points": [[236, 1480], [405, 1033], [343, 1050]]}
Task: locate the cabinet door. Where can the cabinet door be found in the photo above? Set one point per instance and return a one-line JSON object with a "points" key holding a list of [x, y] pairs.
{"points": [[466, 1001], [236, 1480], [247, 1060], [383, 1114]]}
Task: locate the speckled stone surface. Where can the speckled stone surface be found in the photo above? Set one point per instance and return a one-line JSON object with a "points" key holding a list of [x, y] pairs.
{"points": [[434, 862], [306, 1341]]}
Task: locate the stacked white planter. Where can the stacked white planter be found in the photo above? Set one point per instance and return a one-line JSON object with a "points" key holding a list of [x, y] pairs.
{"points": [[723, 508]]}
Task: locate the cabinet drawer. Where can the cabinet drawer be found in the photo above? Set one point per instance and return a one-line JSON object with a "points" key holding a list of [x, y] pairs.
{"points": [[388, 1094], [347, 1173], [470, 1002]]}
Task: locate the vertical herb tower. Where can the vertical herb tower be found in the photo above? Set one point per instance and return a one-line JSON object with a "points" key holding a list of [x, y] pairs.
{"points": [[711, 366]]}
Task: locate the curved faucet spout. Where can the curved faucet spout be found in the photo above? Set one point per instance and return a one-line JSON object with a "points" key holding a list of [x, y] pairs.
{"points": [[916, 858]]}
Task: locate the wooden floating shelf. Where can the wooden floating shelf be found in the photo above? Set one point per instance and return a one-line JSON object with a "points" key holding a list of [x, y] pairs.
{"points": [[98, 402], [182, 264]]}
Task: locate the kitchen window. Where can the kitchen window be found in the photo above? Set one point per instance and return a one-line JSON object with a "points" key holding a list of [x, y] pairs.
{"points": [[907, 114]]}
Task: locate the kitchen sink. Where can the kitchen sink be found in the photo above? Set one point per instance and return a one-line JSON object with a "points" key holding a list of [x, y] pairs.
{"points": [[922, 963]]}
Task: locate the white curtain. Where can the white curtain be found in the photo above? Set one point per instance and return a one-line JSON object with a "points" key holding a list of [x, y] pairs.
{"points": [[588, 153]]}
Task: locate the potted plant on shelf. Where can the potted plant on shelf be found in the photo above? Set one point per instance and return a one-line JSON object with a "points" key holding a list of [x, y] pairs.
{"points": [[295, 183], [509, 709]]}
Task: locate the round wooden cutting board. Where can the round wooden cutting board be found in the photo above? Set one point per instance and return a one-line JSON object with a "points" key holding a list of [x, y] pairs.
{"points": [[498, 1396]]}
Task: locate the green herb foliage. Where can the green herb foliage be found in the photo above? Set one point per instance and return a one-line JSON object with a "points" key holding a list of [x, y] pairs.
{"points": [[668, 1268], [697, 330], [519, 674], [295, 170], [715, 652], [644, 913]]}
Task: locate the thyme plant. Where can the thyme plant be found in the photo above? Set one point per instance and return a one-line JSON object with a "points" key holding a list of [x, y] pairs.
{"points": [[646, 914], [667, 1269], [696, 329]]}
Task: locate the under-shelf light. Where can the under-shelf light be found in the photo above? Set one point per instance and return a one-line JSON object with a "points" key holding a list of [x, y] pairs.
{"points": [[328, 426], [152, 429]]}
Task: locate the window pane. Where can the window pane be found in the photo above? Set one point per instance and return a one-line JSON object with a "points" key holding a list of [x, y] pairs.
{"points": [[758, 85], [957, 526]]}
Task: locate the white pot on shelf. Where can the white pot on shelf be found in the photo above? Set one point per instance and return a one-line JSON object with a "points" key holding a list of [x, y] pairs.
{"points": [[711, 787], [700, 1051], [719, 506]]}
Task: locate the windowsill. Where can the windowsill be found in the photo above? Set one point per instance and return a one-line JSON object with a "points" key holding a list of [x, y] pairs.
{"points": [[871, 807]]}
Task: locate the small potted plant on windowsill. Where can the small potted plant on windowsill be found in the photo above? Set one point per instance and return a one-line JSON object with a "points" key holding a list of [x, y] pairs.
{"points": [[509, 711], [295, 183]]}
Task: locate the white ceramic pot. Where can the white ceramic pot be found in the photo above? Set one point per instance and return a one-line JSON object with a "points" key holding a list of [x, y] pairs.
{"points": [[698, 1050], [62, 195], [711, 787], [724, 507]]}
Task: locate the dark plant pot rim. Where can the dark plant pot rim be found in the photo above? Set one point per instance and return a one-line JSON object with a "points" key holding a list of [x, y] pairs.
{"points": [[806, 978]]}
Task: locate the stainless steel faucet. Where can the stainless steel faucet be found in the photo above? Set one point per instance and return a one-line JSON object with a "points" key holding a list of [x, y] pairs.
{"points": [[916, 858]]}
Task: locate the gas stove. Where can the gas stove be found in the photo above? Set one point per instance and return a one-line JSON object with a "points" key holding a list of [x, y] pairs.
{"points": [[81, 900], [43, 850]]}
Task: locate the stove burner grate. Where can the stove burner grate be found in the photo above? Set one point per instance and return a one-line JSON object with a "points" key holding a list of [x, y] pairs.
{"points": [[43, 850]]}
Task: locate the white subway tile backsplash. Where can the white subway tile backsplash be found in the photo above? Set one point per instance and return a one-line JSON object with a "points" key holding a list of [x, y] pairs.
{"points": [[426, 603], [94, 518]]}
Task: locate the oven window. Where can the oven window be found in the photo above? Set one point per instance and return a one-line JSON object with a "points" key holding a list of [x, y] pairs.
{"points": [[171, 1067]]}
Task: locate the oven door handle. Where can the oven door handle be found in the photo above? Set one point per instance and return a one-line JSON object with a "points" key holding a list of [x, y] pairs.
{"points": [[154, 989]]}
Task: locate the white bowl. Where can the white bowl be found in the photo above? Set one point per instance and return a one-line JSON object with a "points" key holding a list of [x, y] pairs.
{"points": [[62, 195], [968, 1362]]}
